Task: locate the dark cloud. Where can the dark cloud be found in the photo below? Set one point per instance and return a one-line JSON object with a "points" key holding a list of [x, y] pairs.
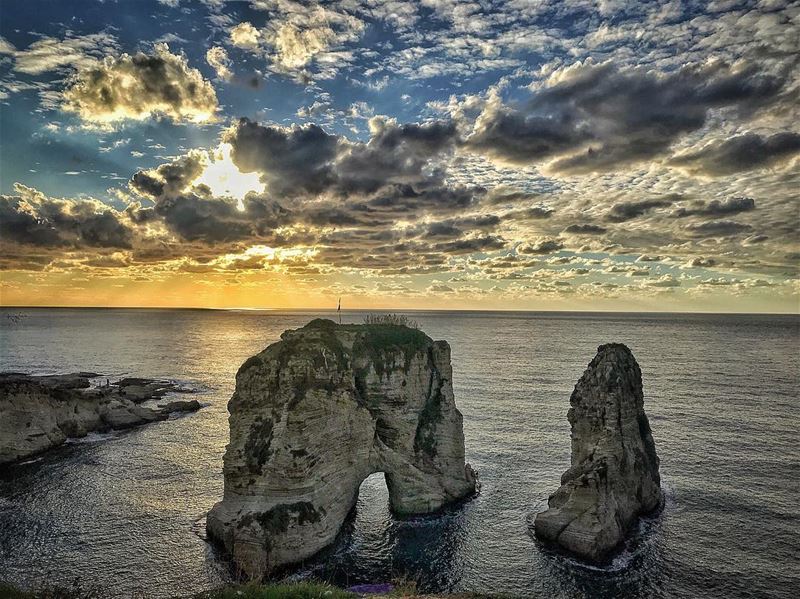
{"points": [[485, 243], [456, 227], [520, 138], [625, 211], [544, 246], [169, 179], [742, 153], [31, 218], [215, 220], [597, 117], [535, 213], [306, 160], [394, 154], [718, 228], [755, 239], [717, 208], [290, 160], [702, 262], [585, 229]]}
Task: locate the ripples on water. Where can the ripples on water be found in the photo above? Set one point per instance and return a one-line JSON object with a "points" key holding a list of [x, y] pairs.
{"points": [[125, 511]]}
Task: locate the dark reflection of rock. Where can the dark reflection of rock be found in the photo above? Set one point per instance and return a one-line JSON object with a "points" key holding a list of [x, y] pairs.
{"points": [[38, 413], [376, 546], [614, 475]]}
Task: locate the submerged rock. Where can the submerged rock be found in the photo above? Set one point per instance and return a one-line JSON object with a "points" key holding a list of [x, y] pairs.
{"points": [[41, 412], [315, 414], [614, 476]]}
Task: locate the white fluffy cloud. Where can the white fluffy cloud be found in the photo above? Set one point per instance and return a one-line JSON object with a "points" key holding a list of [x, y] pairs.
{"points": [[297, 35], [138, 87], [218, 58], [49, 53]]}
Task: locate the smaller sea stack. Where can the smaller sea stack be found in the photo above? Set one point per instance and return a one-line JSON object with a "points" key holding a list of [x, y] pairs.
{"points": [[613, 478]]}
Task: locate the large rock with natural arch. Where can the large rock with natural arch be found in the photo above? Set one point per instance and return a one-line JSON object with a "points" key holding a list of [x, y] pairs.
{"points": [[315, 414]]}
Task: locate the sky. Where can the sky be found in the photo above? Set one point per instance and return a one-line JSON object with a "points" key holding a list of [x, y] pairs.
{"points": [[436, 154]]}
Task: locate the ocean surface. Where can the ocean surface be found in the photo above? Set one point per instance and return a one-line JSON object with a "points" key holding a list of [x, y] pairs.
{"points": [[126, 511]]}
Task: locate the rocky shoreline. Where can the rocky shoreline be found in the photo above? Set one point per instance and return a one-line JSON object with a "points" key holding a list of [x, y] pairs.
{"points": [[38, 413]]}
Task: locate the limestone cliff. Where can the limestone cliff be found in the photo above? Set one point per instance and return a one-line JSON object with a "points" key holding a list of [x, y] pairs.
{"points": [[315, 414], [614, 473], [41, 412]]}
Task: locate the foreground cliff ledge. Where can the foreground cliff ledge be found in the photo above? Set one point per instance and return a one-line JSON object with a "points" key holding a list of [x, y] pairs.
{"points": [[315, 414], [613, 478]]}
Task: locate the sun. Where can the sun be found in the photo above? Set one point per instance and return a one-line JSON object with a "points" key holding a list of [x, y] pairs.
{"points": [[224, 178]]}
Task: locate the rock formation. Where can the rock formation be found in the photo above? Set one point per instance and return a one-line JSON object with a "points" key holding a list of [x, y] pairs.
{"points": [[614, 476], [315, 414], [41, 412]]}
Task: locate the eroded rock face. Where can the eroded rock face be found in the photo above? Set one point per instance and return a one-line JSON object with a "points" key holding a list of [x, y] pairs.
{"points": [[315, 414], [614, 476], [41, 412]]}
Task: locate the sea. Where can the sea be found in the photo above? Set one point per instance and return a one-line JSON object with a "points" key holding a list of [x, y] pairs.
{"points": [[125, 512]]}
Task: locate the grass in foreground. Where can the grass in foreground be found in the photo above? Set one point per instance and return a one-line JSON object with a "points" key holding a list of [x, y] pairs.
{"points": [[74, 591], [318, 590], [299, 590], [294, 590]]}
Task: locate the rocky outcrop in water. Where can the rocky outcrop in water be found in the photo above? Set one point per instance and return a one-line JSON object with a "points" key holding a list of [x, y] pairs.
{"points": [[41, 412], [614, 476], [315, 414]]}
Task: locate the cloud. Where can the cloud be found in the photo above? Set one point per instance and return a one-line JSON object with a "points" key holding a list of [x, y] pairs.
{"points": [[470, 245], [314, 181], [718, 228], [585, 229], [541, 247], [395, 154], [440, 288], [195, 217], [49, 53], [665, 281], [297, 34], [702, 262], [306, 160], [625, 211], [218, 58], [755, 239], [172, 179], [291, 160], [32, 218], [717, 208], [244, 35], [534, 213], [742, 153], [139, 87], [589, 117]]}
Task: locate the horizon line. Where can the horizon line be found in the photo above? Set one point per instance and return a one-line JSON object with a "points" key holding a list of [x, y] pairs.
{"points": [[397, 310]]}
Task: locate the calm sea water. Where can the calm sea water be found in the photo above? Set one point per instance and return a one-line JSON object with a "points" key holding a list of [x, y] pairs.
{"points": [[126, 511]]}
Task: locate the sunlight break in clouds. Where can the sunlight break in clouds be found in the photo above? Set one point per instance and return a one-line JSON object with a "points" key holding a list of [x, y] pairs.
{"points": [[224, 178]]}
